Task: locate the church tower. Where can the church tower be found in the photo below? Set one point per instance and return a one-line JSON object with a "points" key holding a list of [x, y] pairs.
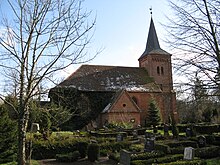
{"points": [[157, 61]]}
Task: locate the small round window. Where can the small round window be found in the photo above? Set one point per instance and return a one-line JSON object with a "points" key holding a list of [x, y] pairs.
{"points": [[124, 105]]}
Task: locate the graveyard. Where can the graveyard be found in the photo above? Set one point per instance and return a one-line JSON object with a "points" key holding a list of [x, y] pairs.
{"points": [[192, 145]]}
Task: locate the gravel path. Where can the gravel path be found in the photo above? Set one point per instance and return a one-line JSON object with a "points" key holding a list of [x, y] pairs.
{"points": [[102, 161]]}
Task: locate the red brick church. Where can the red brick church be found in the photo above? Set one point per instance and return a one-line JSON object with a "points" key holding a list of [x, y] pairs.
{"points": [[121, 94]]}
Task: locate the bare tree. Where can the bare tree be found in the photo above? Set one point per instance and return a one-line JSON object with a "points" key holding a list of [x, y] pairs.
{"points": [[194, 33], [40, 38]]}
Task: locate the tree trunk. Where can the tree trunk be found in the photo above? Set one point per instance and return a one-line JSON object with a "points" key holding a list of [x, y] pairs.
{"points": [[22, 129]]}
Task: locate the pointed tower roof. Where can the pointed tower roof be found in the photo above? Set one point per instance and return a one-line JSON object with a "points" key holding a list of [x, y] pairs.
{"points": [[152, 45]]}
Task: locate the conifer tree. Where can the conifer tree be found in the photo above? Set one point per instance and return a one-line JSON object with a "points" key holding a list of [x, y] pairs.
{"points": [[153, 117], [8, 137]]}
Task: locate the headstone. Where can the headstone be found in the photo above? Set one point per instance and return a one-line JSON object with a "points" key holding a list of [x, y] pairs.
{"points": [[148, 135], [135, 134], [155, 129], [119, 138], [189, 153], [201, 141], [188, 132], [125, 157], [35, 127], [149, 145], [166, 130]]}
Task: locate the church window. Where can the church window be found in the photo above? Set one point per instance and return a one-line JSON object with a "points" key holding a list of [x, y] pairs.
{"points": [[162, 71], [158, 70]]}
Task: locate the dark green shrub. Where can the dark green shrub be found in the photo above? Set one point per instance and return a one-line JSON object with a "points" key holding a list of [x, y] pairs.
{"points": [[48, 149], [183, 144], [103, 152], [177, 150], [207, 129], [93, 152], [162, 147], [208, 152], [82, 148], [7, 137], [170, 158], [70, 157], [210, 139], [115, 146]]}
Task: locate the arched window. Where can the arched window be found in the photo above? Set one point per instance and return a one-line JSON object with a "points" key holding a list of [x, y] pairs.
{"points": [[162, 71], [158, 70]]}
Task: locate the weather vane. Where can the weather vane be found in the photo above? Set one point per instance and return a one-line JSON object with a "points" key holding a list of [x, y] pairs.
{"points": [[151, 10]]}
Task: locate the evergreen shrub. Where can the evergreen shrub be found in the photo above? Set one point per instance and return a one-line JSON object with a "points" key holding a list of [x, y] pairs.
{"points": [[8, 138]]}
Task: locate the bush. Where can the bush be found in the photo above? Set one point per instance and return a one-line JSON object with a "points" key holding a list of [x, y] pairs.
{"points": [[210, 139], [162, 147], [165, 159], [48, 149], [93, 152], [8, 137], [183, 144], [192, 162], [207, 129], [178, 150], [208, 152], [70, 157]]}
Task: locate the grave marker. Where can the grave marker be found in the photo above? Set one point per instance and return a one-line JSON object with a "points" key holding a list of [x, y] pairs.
{"points": [[189, 153], [149, 145], [125, 157], [201, 141]]}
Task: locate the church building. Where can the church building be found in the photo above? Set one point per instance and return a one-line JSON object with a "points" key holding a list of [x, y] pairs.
{"points": [[121, 94]]}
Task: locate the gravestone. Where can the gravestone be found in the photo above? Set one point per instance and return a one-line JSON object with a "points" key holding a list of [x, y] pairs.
{"points": [[35, 127], [188, 132], [149, 145], [125, 157], [201, 141], [189, 153], [119, 138], [148, 135], [166, 130], [135, 134]]}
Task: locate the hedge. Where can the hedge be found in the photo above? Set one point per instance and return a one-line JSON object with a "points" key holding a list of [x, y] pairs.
{"points": [[183, 144], [49, 148], [165, 159], [208, 152], [191, 162]]}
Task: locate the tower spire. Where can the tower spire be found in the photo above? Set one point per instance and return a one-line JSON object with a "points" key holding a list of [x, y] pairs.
{"points": [[152, 40]]}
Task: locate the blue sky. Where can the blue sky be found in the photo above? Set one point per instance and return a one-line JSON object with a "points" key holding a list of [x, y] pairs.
{"points": [[122, 29]]}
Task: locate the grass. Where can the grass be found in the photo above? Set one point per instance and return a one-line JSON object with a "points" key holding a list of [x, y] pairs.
{"points": [[33, 162], [215, 161]]}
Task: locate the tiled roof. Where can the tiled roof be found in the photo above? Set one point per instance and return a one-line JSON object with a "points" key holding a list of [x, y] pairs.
{"points": [[110, 78]]}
